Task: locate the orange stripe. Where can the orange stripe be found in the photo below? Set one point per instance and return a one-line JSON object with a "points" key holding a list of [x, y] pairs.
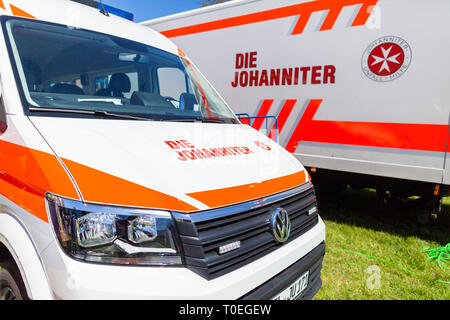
{"points": [[364, 13], [282, 118], [234, 195], [409, 136], [22, 185], [263, 111], [31, 202], [19, 12], [2, 5], [302, 9], [245, 121], [100, 187], [26, 174], [331, 18], [301, 23]]}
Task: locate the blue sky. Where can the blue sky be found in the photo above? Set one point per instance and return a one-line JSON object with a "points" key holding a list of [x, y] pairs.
{"points": [[150, 9]]}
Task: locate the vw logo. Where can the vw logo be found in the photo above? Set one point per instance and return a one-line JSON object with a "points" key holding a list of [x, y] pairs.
{"points": [[281, 225]]}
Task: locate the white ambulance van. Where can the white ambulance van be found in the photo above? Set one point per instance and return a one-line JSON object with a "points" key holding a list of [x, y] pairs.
{"points": [[359, 88], [124, 174]]}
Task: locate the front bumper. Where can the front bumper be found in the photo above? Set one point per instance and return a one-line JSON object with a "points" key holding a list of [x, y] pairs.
{"points": [[71, 280], [312, 262]]}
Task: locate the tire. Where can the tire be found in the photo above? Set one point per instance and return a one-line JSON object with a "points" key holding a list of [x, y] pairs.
{"points": [[12, 286]]}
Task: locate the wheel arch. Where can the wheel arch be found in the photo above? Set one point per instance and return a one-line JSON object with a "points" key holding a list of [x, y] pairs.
{"points": [[16, 244]]}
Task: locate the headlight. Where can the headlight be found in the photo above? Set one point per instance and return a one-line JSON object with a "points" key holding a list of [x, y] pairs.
{"points": [[115, 235]]}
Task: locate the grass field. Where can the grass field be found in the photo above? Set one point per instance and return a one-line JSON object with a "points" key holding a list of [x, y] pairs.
{"points": [[355, 223]]}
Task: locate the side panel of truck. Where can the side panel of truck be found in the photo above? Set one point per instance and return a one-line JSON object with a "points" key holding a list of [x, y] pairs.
{"points": [[345, 98]]}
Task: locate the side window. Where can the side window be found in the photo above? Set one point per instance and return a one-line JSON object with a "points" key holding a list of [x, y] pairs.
{"points": [[172, 82]]}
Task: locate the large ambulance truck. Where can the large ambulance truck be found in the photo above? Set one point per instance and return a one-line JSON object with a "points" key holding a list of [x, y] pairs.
{"points": [[357, 90], [125, 175]]}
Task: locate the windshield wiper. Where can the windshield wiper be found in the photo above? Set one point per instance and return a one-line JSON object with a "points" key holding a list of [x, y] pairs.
{"points": [[207, 120], [194, 120], [96, 113]]}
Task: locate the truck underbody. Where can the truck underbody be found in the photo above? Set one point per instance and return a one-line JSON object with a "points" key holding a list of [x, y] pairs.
{"points": [[391, 192]]}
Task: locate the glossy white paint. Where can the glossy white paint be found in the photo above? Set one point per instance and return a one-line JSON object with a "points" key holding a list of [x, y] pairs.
{"points": [[74, 280], [419, 96], [134, 151], [18, 241]]}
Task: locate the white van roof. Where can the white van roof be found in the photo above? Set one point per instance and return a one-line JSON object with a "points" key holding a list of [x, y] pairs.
{"points": [[81, 16]]}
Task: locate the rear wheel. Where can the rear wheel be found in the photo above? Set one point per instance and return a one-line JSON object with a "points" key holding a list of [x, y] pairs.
{"points": [[12, 286]]}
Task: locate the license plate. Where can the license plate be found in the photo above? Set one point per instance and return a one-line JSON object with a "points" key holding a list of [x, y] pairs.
{"points": [[296, 289]]}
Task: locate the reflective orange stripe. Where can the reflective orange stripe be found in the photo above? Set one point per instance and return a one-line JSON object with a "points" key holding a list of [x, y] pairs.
{"points": [[2, 5], [423, 137], [263, 111], [364, 13], [301, 23], [283, 116], [19, 12], [26, 174], [31, 202], [304, 10], [331, 18], [100, 187], [234, 195]]}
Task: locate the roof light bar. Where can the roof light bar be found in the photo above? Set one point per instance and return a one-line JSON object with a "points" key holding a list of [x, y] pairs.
{"points": [[108, 9]]}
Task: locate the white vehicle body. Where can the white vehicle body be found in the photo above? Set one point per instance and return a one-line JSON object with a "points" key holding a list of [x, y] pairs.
{"points": [[151, 168], [363, 86]]}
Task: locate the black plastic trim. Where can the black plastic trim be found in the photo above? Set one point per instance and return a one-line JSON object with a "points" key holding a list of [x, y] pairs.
{"points": [[312, 262], [202, 237]]}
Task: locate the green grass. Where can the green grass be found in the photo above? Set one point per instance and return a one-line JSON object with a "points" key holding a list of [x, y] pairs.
{"points": [[355, 223]]}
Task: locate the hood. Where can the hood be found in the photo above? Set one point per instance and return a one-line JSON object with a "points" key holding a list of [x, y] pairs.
{"points": [[169, 165]]}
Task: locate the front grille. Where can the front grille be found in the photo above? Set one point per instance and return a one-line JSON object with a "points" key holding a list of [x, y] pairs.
{"points": [[202, 234]]}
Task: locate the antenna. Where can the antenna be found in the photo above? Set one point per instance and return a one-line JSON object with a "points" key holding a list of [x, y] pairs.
{"points": [[103, 10]]}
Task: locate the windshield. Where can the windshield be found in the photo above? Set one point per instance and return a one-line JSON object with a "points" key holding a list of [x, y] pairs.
{"points": [[64, 68]]}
